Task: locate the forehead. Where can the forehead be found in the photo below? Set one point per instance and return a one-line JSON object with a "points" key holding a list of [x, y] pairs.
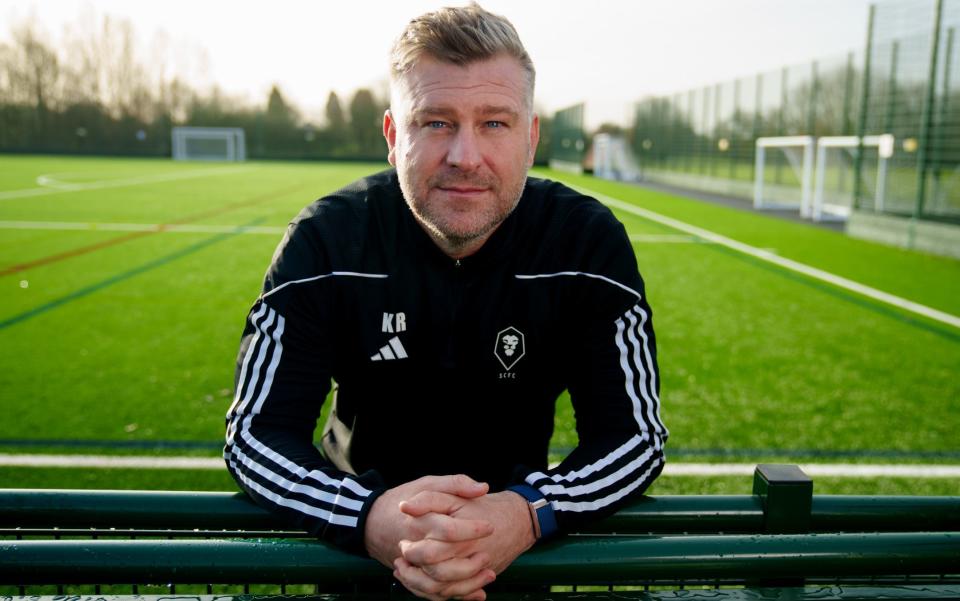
{"points": [[431, 83]]}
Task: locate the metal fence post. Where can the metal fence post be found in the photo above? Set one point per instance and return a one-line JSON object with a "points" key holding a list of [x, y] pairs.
{"points": [[814, 94], [864, 106], [714, 139], [758, 103], [927, 118], [846, 122], [693, 142], [781, 114], [735, 116], [786, 494], [892, 93], [705, 137], [942, 117]]}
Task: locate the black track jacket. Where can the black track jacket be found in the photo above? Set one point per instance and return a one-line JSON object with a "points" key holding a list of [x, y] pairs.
{"points": [[445, 366]]}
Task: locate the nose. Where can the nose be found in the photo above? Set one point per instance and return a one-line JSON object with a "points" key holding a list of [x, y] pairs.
{"points": [[464, 152]]}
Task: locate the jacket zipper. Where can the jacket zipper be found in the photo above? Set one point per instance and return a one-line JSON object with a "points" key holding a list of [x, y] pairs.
{"points": [[456, 295]]}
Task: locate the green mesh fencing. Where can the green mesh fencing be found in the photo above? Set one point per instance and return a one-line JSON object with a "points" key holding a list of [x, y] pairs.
{"points": [[913, 92], [905, 83], [711, 132], [568, 140]]}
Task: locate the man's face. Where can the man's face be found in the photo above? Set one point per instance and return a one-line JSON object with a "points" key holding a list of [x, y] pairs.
{"points": [[462, 140]]}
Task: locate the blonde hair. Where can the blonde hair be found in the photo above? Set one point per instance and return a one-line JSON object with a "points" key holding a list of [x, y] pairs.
{"points": [[459, 35]]}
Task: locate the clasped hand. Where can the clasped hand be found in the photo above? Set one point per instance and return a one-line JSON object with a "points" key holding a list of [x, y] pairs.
{"points": [[446, 536]]}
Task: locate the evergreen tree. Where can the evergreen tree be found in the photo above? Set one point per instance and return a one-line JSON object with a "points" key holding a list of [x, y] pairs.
{"points": [[366, 125]]}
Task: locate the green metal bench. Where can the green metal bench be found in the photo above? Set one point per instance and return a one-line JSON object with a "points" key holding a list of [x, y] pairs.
{"points": [[780, 542]]}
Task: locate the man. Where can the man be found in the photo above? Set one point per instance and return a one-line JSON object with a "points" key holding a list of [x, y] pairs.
{"points": [[452, 300]]}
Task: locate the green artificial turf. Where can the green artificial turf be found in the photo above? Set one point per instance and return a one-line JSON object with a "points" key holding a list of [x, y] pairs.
{"points": [[131, 336]]}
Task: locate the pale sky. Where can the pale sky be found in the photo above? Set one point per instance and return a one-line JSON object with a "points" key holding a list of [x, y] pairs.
{"points": [[608, 53]]}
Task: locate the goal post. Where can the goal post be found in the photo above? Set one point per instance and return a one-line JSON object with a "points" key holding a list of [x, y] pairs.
{"points": [[613, 160], [209, 144], [839, 205], [798, 151]]}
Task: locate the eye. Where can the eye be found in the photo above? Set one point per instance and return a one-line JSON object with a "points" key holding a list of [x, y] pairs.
{"points": [[436, 124], [496, 124]]}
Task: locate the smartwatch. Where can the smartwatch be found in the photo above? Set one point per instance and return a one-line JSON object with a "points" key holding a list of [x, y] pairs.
{"points": [[541, 512]]}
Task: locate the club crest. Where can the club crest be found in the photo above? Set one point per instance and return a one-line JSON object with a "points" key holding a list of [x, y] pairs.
{"points": [[510, 347]]}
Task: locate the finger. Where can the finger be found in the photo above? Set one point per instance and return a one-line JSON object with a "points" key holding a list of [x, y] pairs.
{"points": [[427, 552], [477, 595], [420, 583], [471, 586], [459, 484], [431, 501], [424, 552], [458, 568], [450, 529], [416, 581]]}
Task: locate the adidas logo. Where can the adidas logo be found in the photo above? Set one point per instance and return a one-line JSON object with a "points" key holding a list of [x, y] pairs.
{"points": [[393, 349]]}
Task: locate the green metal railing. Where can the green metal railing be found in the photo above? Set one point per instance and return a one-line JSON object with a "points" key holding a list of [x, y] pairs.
{"points": [[577, 560], [177, 514], [781, 536]]}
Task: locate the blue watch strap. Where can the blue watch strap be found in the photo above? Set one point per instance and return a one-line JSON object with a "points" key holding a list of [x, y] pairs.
{"points": [[545, 516]]}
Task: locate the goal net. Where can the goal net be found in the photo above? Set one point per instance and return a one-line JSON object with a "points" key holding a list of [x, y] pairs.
{"points": [[613, 160], [784, 174], [209, 144], [833, 196]]}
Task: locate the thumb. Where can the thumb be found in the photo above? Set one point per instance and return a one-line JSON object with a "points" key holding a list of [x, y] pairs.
{"points": [[460, 485], [431, 501]]}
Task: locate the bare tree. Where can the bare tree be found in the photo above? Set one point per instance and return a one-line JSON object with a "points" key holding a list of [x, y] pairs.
{"points": [[32, 69]]}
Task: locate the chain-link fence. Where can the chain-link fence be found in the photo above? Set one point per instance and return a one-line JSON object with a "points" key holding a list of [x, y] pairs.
{"points": [[905, 83]]}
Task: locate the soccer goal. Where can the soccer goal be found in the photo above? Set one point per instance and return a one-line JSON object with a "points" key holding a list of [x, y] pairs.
{"points": [[834, 188], [613, 160], [209, 144], [776, 187]]}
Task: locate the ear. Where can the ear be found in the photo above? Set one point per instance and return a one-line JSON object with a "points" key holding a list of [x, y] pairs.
{"points": [[534, 139], [390, 134]]}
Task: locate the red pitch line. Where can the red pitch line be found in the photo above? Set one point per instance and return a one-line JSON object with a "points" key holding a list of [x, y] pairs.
{"points": [[82, 250]]}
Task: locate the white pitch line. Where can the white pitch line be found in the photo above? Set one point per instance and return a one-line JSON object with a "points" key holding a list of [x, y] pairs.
{"points": [[836, 470], [139, 227], [113, 461], [63, 187], [665, 238], [770, 257]]}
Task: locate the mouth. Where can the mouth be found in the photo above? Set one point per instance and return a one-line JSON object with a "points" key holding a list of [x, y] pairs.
{"points": [[463, 189]]}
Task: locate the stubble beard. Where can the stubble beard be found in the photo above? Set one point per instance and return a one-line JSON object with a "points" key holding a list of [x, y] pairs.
{"points": [[451, 238]]}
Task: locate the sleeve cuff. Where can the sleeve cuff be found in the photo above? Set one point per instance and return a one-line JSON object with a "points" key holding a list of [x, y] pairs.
{"points": [[352, 539], [542, 507]]}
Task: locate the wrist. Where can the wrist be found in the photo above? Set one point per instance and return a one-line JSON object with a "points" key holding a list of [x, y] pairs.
{"points": [[378, 531], [542, 520]]}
